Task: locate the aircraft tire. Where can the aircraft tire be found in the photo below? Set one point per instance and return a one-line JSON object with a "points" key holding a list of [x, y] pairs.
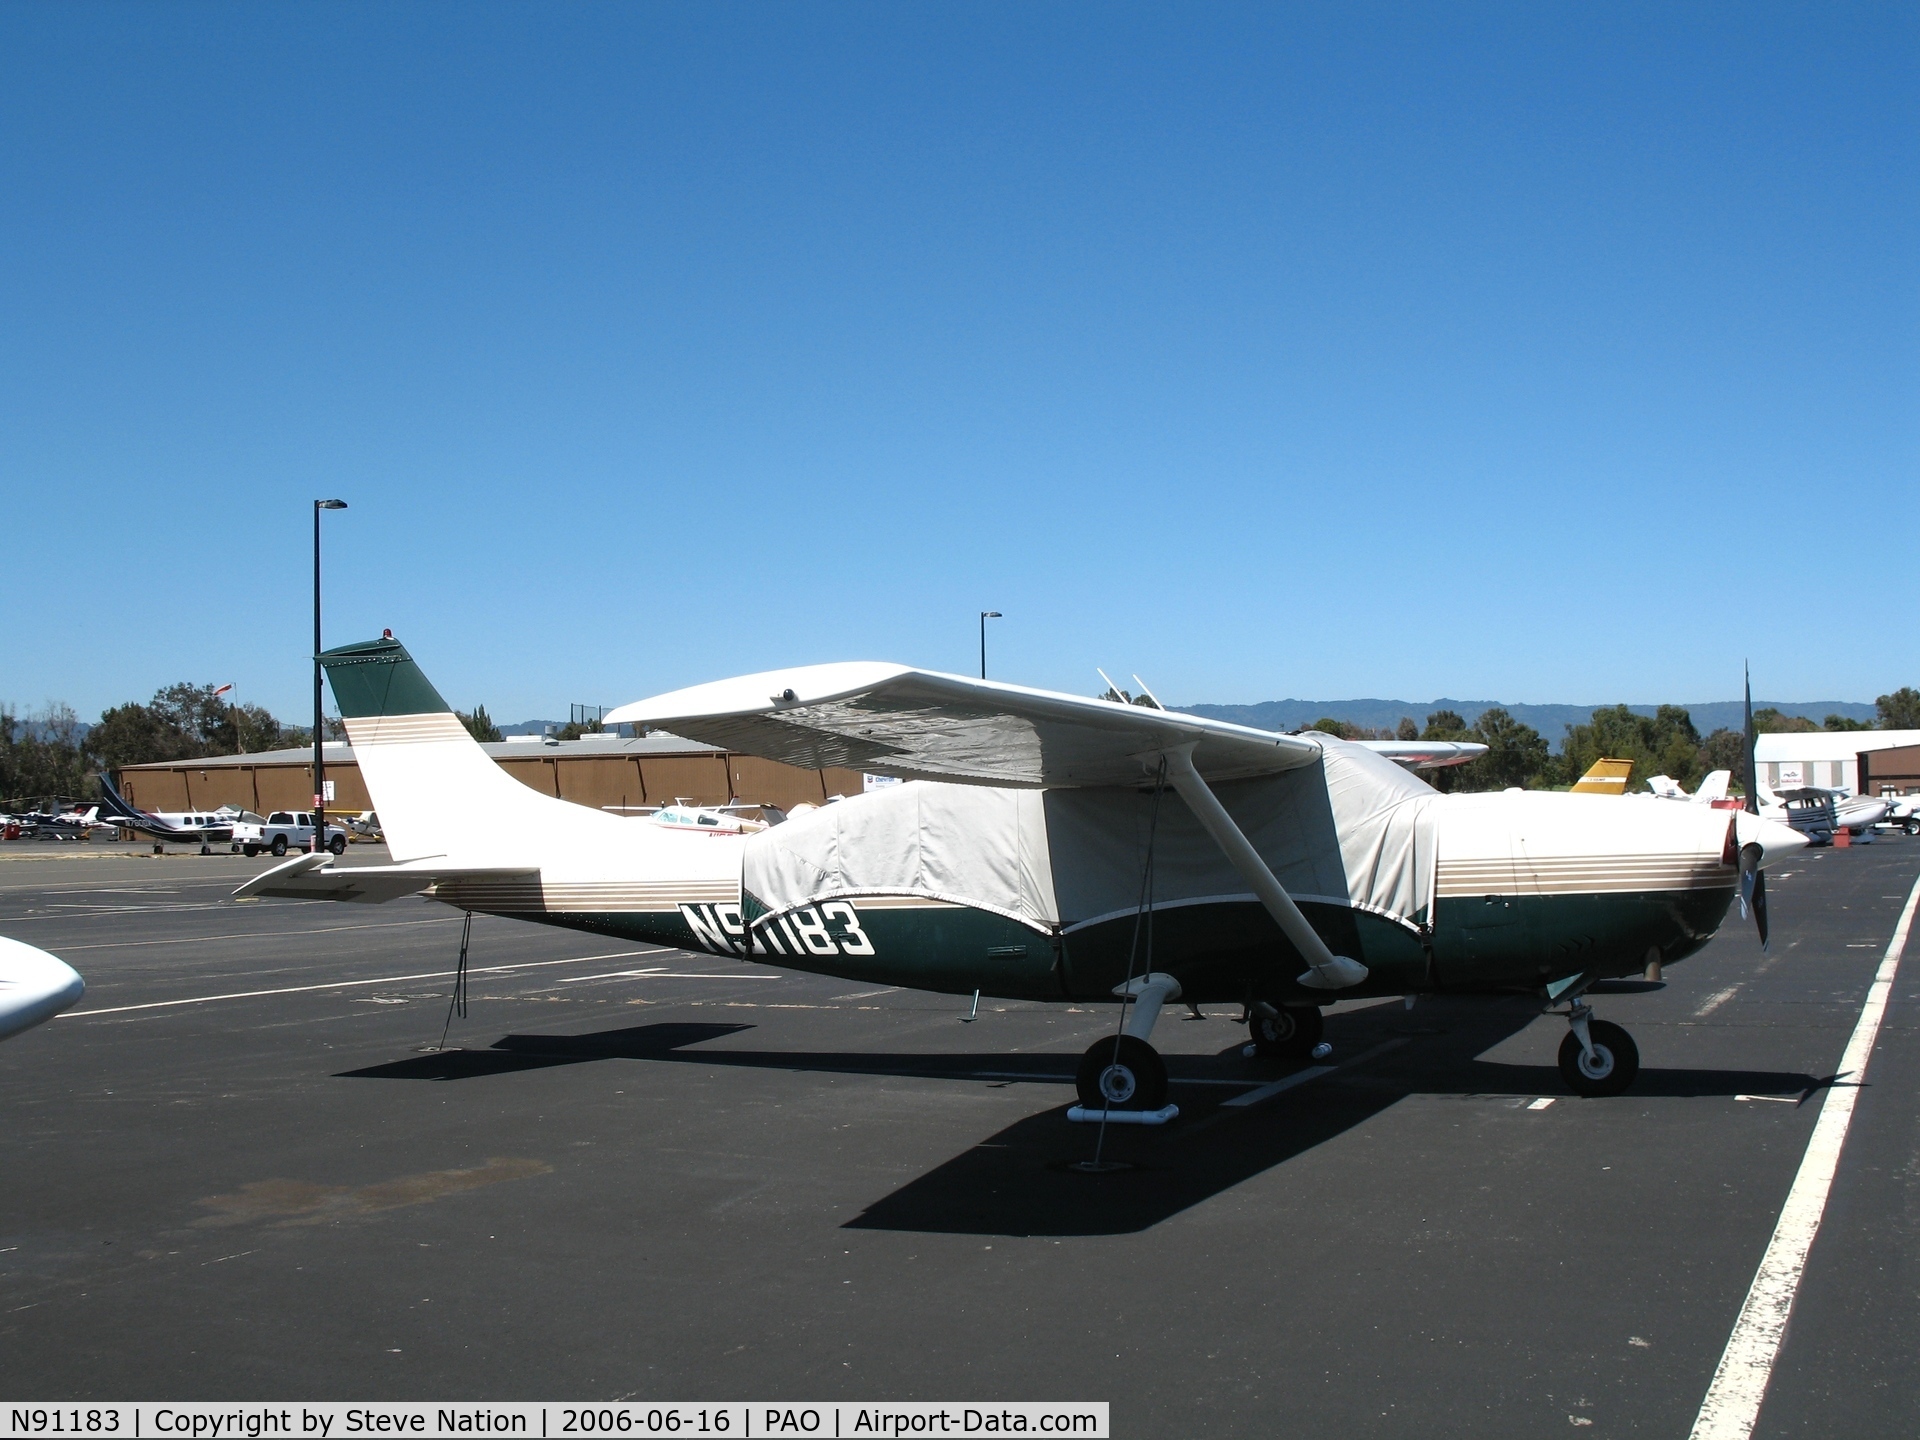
{"points": [[1290, 1035], [1133, 1079], [1619, 1060], [279, 846]]}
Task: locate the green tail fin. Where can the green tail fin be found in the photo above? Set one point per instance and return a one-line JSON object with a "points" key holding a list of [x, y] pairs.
{"points": [[379, 677]]}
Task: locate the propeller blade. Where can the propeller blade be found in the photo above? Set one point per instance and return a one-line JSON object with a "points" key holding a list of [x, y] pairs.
{"points": [[1750, 777], [1753, 891]]}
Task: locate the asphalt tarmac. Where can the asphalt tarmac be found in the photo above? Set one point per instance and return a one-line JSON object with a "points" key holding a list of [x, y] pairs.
{"points": [[242, 1169]]}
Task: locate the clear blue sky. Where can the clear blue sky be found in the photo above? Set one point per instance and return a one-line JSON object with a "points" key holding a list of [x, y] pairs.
{"points": [[1541, 353]]}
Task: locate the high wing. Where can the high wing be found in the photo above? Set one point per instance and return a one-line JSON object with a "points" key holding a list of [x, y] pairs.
{"points": [[315, 877], [1426, 754], [923, 725]]}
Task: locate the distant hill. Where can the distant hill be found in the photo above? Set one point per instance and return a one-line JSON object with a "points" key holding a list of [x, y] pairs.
{"points": [[536, 727], [1550, 720], [28, 728]]}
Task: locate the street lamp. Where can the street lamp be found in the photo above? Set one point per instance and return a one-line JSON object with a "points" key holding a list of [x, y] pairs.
{"points": [[319, 761], [985, 615]]}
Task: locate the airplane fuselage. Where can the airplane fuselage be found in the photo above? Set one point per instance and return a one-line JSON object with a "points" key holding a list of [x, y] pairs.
{"points": [[1527, 889]]}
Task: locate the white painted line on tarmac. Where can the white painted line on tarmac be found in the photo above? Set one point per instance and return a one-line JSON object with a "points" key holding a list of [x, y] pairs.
{"points": [[1267, 1092], [1312, 1072], [664, 975], [1714, 1001], [1542, 1103], [264, 934], [1740, 1384], [345, 984]]}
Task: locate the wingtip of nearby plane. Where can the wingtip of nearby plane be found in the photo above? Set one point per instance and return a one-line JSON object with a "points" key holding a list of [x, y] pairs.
{"points": [[34, 986]]}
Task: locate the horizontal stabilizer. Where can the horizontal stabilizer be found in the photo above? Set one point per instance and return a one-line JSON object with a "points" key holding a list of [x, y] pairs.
{"points": [[316, 877]]}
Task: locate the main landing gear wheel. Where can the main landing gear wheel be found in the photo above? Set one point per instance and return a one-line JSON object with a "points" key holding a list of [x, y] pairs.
{"points": [[1290, 1033], [1616, 1060], [1131, 1077]]}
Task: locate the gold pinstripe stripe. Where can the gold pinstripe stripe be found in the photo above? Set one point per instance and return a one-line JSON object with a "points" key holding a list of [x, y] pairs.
{"points": [[405, 729]]}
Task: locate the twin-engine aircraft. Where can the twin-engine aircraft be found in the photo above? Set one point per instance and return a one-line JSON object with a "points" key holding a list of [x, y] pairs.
{"points": [[1058, 848], [203, 826]]}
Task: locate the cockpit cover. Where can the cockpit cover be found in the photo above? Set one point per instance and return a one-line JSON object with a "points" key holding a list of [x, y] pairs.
{"points": [[1353, 829]]}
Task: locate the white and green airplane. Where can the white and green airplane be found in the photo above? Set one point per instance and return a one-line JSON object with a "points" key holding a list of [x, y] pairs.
{"points": [[1053, 847]]}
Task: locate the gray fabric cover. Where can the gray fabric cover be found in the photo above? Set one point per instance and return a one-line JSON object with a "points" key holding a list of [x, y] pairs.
{"points": [[1354, 829], [969, 844]]}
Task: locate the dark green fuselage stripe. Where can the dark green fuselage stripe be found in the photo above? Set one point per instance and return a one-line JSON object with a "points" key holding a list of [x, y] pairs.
{"points": [[1221, 953]]}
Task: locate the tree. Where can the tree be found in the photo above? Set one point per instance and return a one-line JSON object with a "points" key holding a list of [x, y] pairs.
{"points": [[1769, 721], [41, 760], [1329, 726], [185, 722], [1517, 754], [1841, 722], [254, 730], [136, 734], [1444, 725], [1900, 710], [480, 725], [1726, 750], [1407, 730], [1664, 743]]}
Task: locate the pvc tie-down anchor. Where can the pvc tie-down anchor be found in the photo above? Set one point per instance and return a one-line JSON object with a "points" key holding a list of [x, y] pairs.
{"points": [[1081, 1115]]}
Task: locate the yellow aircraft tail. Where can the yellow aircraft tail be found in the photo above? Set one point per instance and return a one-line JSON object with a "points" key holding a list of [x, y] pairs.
{"points": [[1607, 777]]}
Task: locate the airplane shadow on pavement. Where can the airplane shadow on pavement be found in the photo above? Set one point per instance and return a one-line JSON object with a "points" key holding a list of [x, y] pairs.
{"points": [[1020, 1181]]}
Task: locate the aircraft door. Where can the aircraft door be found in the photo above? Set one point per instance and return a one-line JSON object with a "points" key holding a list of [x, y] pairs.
{"points": [[1482, 932]]}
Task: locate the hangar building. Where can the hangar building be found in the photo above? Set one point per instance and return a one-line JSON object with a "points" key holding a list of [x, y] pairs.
{"points": [[1832, 759], [596, 771]]}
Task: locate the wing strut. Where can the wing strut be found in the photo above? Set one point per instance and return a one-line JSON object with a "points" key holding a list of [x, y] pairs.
{"points": [[1327, 971]]}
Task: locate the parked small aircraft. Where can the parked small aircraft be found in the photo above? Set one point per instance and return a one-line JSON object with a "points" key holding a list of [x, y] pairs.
{"points": [[738, 819], [72, 823], [1281, 872], [1821, 813], [1712, 791], [1904, 811], [34, 986], [205, 827]]}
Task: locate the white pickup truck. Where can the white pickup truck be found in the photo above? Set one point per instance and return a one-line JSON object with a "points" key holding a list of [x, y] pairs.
{"points": [[285, 830]]}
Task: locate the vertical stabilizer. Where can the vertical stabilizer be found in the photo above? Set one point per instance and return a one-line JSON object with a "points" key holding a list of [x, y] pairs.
{"points": [[437, 792], [1606, 776]]}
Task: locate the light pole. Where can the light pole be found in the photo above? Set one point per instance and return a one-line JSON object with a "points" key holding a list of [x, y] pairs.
{"points": [[233, 713], [985, 615], [319, 761]]}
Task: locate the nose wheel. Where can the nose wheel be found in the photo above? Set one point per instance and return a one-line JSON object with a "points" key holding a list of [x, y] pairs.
{"points": [[1285, 1032], [1597, 1057]]}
